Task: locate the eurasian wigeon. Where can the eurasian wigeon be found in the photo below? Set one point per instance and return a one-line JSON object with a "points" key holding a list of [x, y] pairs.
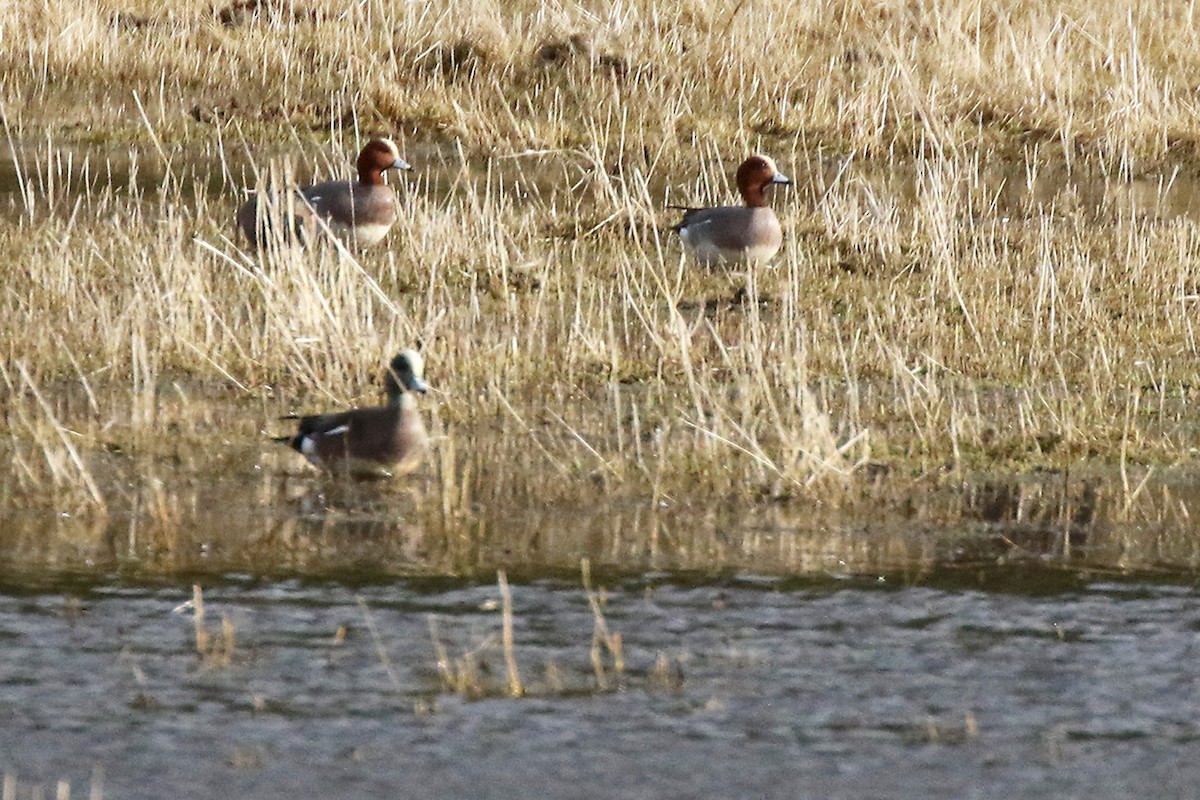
{"points": [[736, 234], [381, 441], [360, 212]]}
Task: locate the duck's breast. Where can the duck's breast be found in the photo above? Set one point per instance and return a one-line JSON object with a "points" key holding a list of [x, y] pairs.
{"points": [[356, 212], [411, 439], [731, 234]]}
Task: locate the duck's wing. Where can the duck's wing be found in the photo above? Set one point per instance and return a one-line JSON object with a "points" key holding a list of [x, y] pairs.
{"points": [[259, 214], [690, 215], [705, 218], [322, 196], [325, 424], [729, 227], [312, 429], [365, 436]]}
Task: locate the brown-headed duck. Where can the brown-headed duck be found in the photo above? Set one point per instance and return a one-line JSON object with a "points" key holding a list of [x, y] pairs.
{"points": [[736, 234], [359, 212]]}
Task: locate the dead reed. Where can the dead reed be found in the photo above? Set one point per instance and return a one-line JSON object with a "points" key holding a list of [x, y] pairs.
{"points": [[1110, 82], [214, 651], [912, 331], [469, 675], [13, 789]]}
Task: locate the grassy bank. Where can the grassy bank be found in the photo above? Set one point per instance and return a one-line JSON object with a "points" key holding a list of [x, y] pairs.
{"points": [[918, 327], [921, 334], [1111, 81]]}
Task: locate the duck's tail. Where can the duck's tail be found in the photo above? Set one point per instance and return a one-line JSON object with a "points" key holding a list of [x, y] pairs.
{"points": [[291, 441], [687, 211]]}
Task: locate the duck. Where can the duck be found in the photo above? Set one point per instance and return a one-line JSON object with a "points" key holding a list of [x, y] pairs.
{"points": [[358, 212], [381, 441], [736, 235]]}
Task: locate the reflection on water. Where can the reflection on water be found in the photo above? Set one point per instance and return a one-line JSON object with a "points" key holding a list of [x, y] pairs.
{"points": [[262, 512]]}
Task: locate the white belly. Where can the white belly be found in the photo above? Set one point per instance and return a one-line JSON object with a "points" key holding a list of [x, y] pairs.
{"points": [[363, 235], [709, 255]]}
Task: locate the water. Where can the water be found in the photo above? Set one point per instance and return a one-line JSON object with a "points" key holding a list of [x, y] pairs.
{"points": [[1040, 643], [776, 688]]}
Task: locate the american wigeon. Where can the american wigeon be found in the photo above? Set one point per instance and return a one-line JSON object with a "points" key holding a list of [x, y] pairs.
{"points": [[736, 234], [360, 212], [382, 441]]}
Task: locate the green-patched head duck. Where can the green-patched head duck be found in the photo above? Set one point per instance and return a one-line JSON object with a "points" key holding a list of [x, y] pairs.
{"points": [[381, 441]]}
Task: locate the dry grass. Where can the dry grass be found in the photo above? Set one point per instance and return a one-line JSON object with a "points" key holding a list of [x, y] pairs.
{"points": [[1112, 80], [469, 675], [917, 324], [214, 651], [13, 789], [918, 330]]}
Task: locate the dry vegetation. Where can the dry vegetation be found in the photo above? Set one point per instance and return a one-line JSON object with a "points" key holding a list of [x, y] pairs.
{"points": [[1115, 80], [13, 789], [916, 324]]}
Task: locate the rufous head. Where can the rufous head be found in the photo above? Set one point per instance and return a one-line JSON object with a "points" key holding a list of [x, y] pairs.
{"points": [[378, 155], [754, 175]]}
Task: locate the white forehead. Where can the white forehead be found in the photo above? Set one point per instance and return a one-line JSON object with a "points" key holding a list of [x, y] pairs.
{"points": [[415, 361], [770, 162]]}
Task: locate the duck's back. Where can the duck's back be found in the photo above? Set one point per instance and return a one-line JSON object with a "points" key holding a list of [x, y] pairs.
{"points": [[257, 220]]}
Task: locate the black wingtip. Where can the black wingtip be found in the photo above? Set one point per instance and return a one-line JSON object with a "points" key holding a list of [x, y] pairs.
{"points": [[687, 210], [289, 441]]}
